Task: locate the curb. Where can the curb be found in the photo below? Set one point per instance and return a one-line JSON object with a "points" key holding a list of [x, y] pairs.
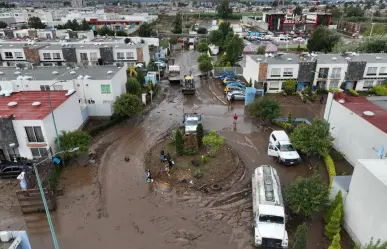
{"points": [[221, 100]]}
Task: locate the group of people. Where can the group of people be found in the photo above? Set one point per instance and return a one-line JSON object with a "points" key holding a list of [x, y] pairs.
{"points": [[163, 157]]}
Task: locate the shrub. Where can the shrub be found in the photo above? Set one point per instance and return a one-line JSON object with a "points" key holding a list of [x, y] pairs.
{"points": [[373, 245], [133, 86], [214, 141], [333, 227], [289, 87], [332, 206], [203, 159], [284, 125], [198, 173], [190, 145], [353, 93], [199, 134], [266, 108], [314, 96], [330, 167], [74, 139], [380, 90], [336, 242], [179, 143], [128, 105], [301, 237]]}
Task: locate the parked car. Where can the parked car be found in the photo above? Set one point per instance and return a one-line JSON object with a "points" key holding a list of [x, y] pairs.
{"points": [[234, 88], [230, 79], [225, 74], [13, 170], [238, 84], [238, 95], [281, 148], [160, 64], [299, 40]]}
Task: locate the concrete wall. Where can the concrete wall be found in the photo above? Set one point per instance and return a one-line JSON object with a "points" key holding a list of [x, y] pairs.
{"points": [[250, 71], [331, 66], [354, 136], [365, 213], [21, 135]]}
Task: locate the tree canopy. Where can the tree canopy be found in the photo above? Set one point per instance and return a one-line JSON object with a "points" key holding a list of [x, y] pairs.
{"points": [[177, 24], [307, 195], [234, 49], [133, 86], [35, 23], [203, 46], [145, 30], [223, 9], [301, 237], [74, 139], [267, 108], [128, 105], [297, 10], [312, 139], [3, 25], [105, 31], [323, 40], [353, 11], [205, 66]]}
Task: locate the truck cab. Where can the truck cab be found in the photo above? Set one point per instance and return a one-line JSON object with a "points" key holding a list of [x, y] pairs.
{"points": [[281, 148], [191, 121], [268, 209]]}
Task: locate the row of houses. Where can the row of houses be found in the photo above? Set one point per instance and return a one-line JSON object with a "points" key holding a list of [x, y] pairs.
{"points": [[357, 71]]}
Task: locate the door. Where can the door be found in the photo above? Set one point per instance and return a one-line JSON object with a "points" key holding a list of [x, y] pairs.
{"points": [[272, 150], [15, 171], [2, 156]]}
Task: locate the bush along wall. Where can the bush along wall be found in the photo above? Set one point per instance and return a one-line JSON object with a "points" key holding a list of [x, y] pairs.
{"points": [[330, 167]]}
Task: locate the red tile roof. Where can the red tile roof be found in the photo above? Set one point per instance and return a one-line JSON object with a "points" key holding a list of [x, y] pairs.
{"points": [[24, 110], [361, 104]]}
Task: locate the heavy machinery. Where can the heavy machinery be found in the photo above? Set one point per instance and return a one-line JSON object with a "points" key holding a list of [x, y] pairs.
{"points": [[188, 86], [174, 74]]}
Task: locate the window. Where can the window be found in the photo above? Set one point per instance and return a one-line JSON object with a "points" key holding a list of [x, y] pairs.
{"points": [[129, 55], [105, 89], [275, 72], [58, 87], [34, 134], [274, 85], [372, 70], [378, 82], [83, 56], [336, 72], [120, 56], [93, 56], [39, 152], [368, 84], [8, 55], [44, 87], [323, 73], [383, 71], [288, 72], [18, 55], [47, 56], [56, 56], [334, 84]]}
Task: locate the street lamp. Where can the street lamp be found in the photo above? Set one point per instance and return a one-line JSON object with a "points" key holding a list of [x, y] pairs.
{"points": [[13, 145], [56, 246]]}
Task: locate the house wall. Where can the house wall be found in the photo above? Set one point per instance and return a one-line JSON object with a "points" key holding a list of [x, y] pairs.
{"points": [[343, 67], [365, 215], [250, 72], [51, 52], [70, 108], [335, 188], [87, 51], [122, 50], [12, 50], [273, 82], [21, 135], [354, 136], [119, 83]]}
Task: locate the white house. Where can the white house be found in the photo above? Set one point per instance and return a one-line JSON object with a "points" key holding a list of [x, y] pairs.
{"points": [[330, 70], [374, 73], [31, 121], [365, 215], [96, 87], [12, 53], [358, 126]]}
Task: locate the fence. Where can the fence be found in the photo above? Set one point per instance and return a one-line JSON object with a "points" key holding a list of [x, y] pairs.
{"points": [[31, 201], [235, 70]]}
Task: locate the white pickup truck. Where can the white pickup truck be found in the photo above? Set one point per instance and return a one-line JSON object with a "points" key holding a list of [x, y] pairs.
{"points": [[281, 148], [268, 209]]}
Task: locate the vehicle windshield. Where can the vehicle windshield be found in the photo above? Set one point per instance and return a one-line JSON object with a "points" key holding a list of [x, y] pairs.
{"points": [[191, 123], [286, 147], [271, 219]]}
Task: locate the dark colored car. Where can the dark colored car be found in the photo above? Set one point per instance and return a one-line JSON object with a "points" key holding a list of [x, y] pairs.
{"points": [[13, 170]]}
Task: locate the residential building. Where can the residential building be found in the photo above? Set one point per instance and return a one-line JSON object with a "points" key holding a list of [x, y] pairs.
{"points": [[96, 87], [27, 122], [358, 126], [330, 70]]}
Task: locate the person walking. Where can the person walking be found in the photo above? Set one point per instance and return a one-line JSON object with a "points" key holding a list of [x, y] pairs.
{"points": [[148, 176], [162, 156], [235, 120], [169, 159], [22, 178], [225, 92]]}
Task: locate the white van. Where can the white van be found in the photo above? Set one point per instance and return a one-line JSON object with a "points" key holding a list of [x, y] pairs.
{"points": [[281, 148]]}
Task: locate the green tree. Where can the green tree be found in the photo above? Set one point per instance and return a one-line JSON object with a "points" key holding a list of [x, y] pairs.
{"points": [[297, 10], [301, 237], [323, 40], [205, 66], [203, 57], [373, 45], [202, 31], [333, 227], [133, 86], [35, 23], [74, 139], [3, 25], [105, 31], [128, 105], [164, 44], [145, 30], [203, 46], [85, 25], [289, 86], [214, 141], [261, 50], [313, 139], [223, 9], [173, 40], [336, 242], [216, 37], [267, 108], [336, 13], [332, 206], [179, 143], [234, 49], [178, 26], [306, 195], [121, 33], [378, 29], [199, 134], [352, 11], [377, 14], [373, 245], [140, 76]]}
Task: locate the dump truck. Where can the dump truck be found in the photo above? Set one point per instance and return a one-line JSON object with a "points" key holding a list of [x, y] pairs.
{"points": [[268, 209], [174, 74], [191, 121], [188, 86]]}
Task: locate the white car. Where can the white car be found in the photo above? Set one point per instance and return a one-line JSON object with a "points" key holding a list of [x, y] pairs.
{"points": [[299, 40], [160, 63], [281, 148]]}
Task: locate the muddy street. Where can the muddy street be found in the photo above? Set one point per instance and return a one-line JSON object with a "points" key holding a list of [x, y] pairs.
{"points": [[110, 203]]}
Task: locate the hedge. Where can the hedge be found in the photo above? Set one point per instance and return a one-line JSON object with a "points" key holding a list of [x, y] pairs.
{"points": [[380, 90], [113, 121], [353, 93], [330, 167]]}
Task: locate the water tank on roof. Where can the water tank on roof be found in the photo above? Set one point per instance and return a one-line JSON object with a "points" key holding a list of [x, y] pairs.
{"points": [[5, 236]]}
